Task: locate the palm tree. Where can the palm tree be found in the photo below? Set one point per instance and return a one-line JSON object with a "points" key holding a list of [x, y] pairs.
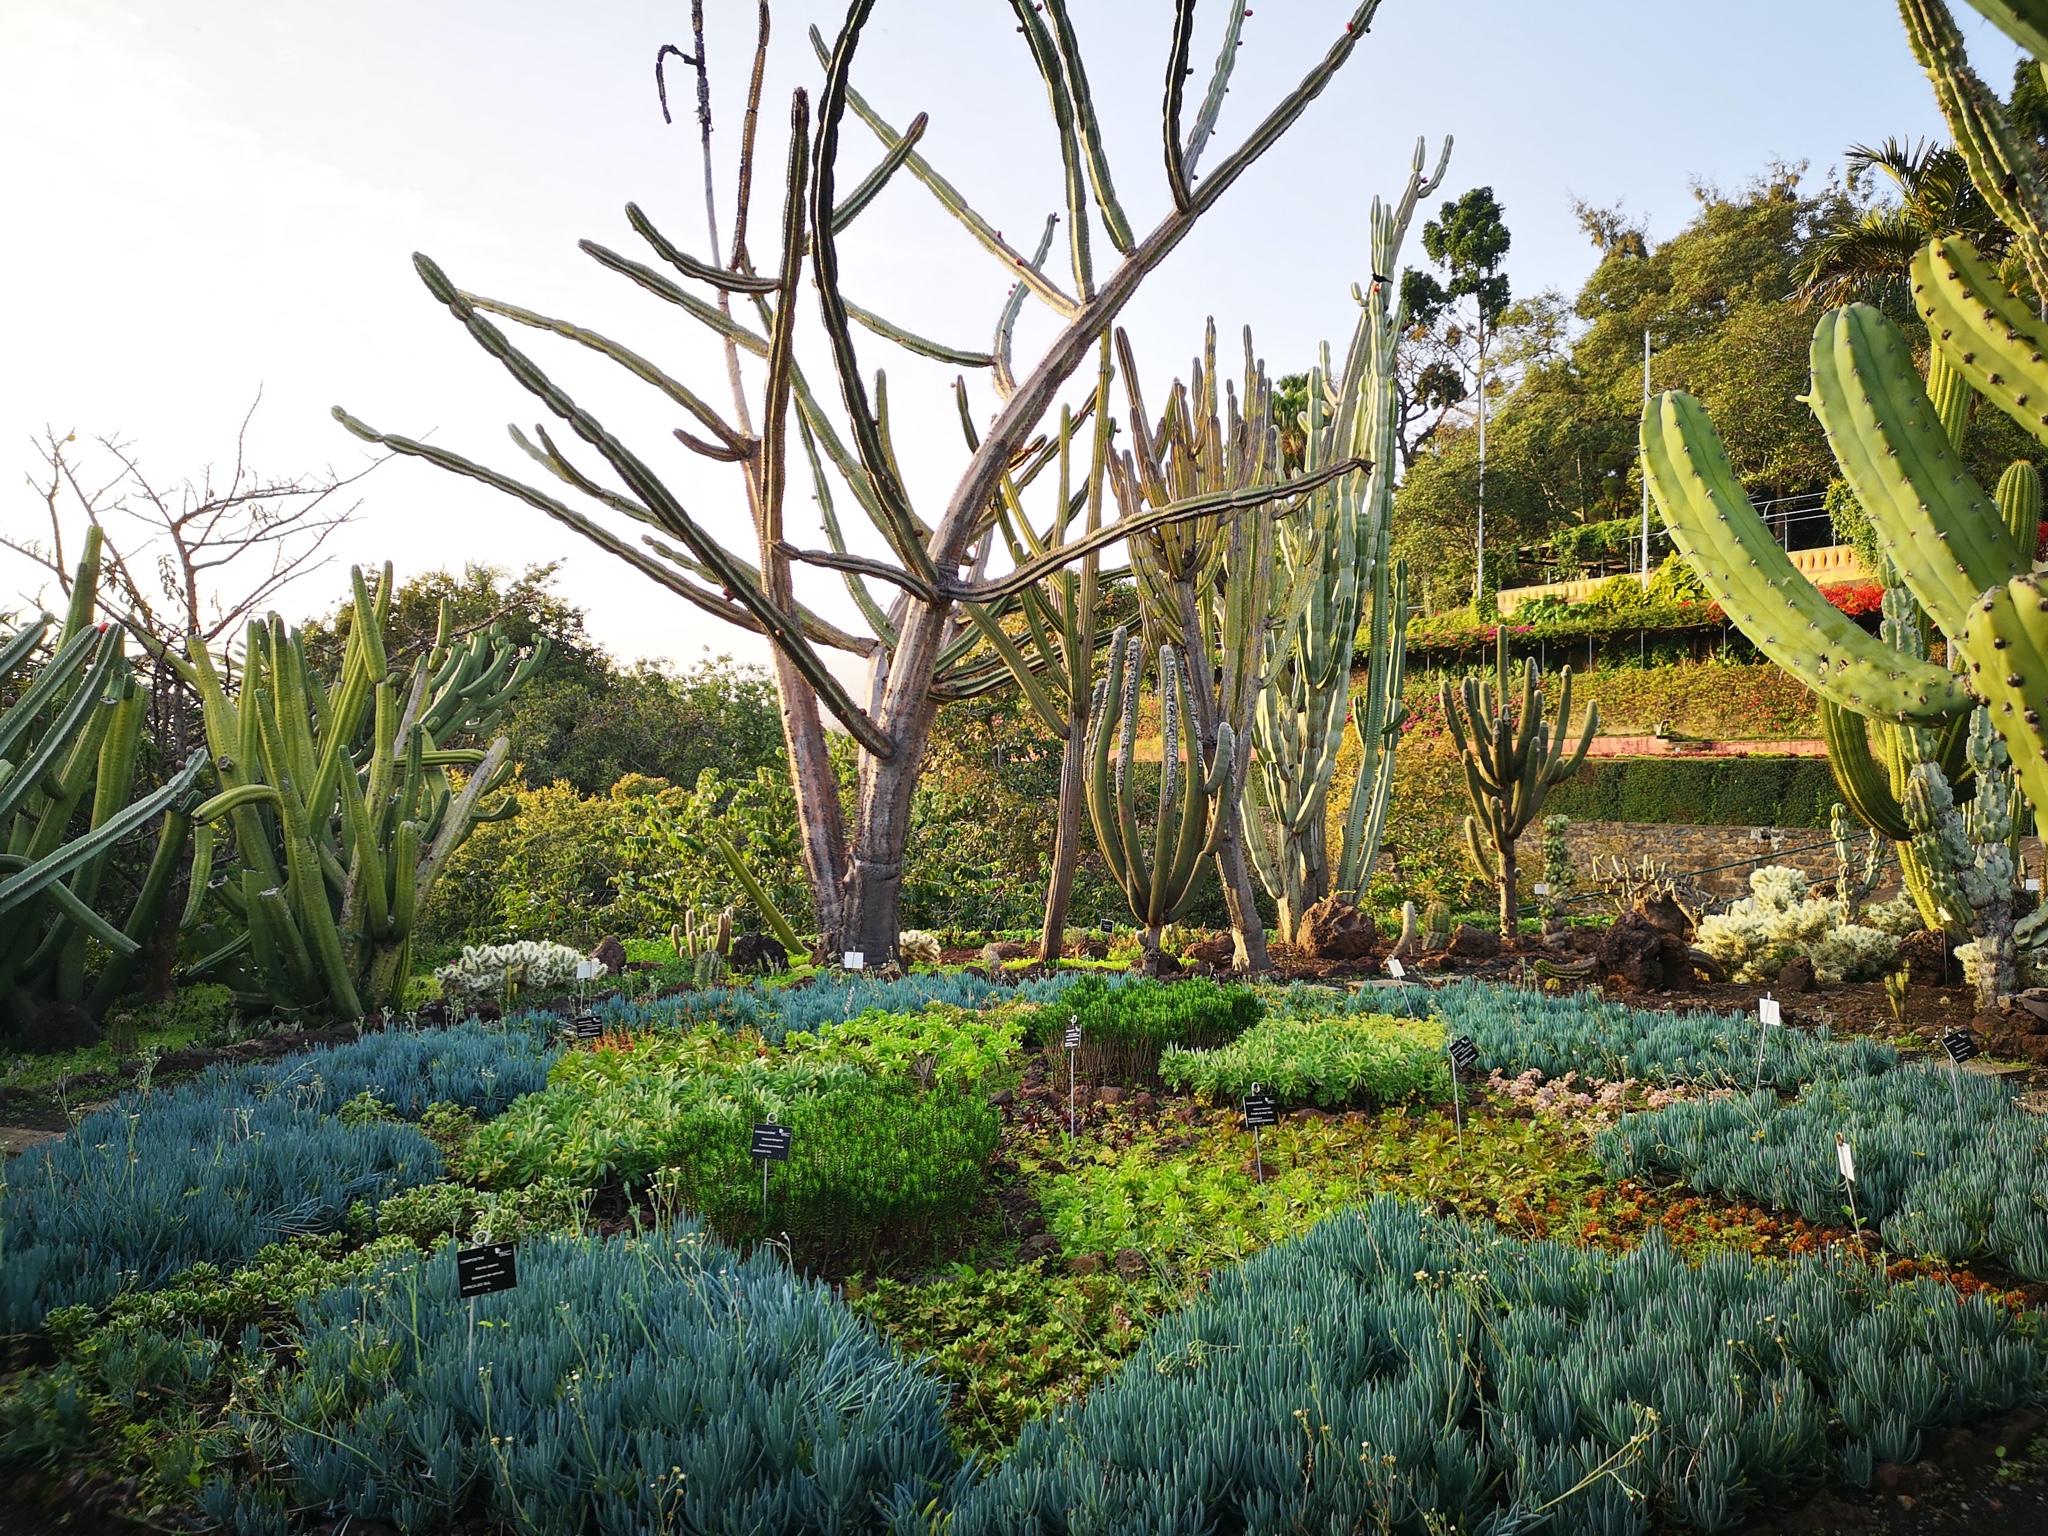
{"points": [[1865, 255]]}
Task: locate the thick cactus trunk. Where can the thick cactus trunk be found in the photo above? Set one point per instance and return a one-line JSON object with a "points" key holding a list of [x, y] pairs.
{"points": [[1066, 847]]}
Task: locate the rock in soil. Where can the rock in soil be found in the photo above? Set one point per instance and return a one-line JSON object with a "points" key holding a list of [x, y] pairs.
{"points": [[757, 952], [1219, 951], [1796, 976], [1333, 929], [58, 1027], [1663, 911], [1470, 943], [1644, 955], [610, 954], [1001, 951]]}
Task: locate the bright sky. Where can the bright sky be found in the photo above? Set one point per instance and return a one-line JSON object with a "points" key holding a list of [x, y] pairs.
{"points": [[212, 196]]}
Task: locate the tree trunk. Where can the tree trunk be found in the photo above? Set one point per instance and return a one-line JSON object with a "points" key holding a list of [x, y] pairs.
{"points": [[1066, 845], [1240, 897], [1996, 976], [1510, 905], [821, 822], [1149, 941]]}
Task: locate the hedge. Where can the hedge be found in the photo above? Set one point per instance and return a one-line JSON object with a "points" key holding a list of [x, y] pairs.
{"points": [[1721, 792]]}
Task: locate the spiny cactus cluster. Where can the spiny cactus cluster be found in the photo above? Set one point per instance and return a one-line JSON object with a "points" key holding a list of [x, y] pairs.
{"points": [[1779, 920], [1945, 1163], [1396, 1370], [1516, 1030], [486, 971], [664, 1383]]}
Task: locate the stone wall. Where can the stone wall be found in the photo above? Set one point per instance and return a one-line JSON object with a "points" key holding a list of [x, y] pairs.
{"points": [[1703, 852]]}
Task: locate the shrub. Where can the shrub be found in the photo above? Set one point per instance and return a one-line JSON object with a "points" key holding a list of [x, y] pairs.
{"points": [[947, 1045], [1720, 791], [1331, 1061], [1942, 1185], [1517, 1029], [873, 1163], [1126, 1024], [157, 1183], [1393, 1364], [659, 1384]]}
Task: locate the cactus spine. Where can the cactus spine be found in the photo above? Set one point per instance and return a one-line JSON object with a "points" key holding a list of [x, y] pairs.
{"points": [[1513, 758], [1188, 822], [73, 728], [341, 799], [1346, 590]]}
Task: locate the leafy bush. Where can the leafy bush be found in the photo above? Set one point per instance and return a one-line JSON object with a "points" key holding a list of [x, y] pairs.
{"points": [[1943, 1185], [202, 1012], [1517, 1029], [948, 1045], [1125, 1024], [659, 1384], [873, 1163], [154, 1184], [1393, 1364], [431, 1212], [1341, 1060]]}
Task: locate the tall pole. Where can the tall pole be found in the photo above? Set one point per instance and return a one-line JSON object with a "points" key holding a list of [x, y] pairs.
{"points": [[1644, 470]]}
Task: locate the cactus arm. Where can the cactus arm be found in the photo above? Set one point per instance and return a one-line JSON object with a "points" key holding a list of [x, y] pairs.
{"points": [[59, 863], [405, 887], [84, 920], [1989, 336], [306, 883], [2007, 643], [1942, 534], [22, 644], [1714, 525], [202, 876], [49, 685], [2019, 504], [1863, 785], [785, 935], [2024, 21], [64, 735], [149, 905], [1090, 130], [85, 588], [299, 969], [1045, 54], [455, 822]]}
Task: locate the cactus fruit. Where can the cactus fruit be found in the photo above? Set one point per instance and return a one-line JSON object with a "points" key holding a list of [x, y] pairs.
{"points": [[1513, 758], [1158, 888], [341, 799]]}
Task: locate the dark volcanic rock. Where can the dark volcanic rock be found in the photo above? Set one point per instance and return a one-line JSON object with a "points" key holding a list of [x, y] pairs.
{"points": [[757, 952], [1333, 929], [1470, 943], [59, 1026]]}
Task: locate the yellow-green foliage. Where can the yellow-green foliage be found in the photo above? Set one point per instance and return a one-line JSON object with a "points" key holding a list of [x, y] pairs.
{"points": [[945, 1044], [1361, 1059]]}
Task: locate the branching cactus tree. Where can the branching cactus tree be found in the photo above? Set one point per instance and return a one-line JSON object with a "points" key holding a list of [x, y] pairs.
{"points": [[1341, 590], [73, 731], [342, 802], [1514, 755], [921, 642], [1155, 867]]}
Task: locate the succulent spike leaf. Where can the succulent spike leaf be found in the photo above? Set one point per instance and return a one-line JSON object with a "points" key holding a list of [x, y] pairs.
{"points": [[1782, 613], [1941, 532]]}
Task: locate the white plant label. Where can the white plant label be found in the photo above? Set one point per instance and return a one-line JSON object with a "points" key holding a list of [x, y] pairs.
{"points": [[1542, 888], [586, 970], [855, 960], [1845, 1159], [1395, 968], [1768, 1012], [2033, 882]]}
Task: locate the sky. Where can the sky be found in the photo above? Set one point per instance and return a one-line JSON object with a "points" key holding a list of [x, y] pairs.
{"points": [[212, 199]]}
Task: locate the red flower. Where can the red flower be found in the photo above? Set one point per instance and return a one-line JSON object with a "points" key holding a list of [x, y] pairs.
{"points": [[1856, 599]]}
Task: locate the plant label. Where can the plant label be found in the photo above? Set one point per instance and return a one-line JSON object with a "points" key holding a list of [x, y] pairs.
{"points": [[854, 960], [586, 1026], [771, 1142], [486, 1270], [1108, 925], [1395, 968], [1073, 1037], [1959, 1045], [1464, 1053], [1542, 888], [1768, 1012], [2034, 883], [1260, 1109], [586, 970], [1845, 1159]]}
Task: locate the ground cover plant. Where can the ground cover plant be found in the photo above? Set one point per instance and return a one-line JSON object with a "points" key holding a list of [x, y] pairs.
{"points": [[1947, 1167], [1353, 1359], [1125, 1029], [1516, 1029], [1356, 1059]]}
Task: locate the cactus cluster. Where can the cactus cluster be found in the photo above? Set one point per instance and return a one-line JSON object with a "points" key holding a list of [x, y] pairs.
{"points": [[69, 742], [1514, 755], [499, 972], [1156, 870], [342, 803], [1781, 920]]}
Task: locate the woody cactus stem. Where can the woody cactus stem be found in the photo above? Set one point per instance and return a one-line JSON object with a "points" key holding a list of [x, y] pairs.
{"points": [[1513, 758], [342, 802], [75, 726], [1190, 815]]}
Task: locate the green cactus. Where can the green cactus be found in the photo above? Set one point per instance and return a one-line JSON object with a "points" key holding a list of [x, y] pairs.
{"points": [[1343, 592], [341, 800], [75, 726], [1157, 871], [1513, 758]]}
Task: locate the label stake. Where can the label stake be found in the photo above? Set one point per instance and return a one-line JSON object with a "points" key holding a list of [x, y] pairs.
{"points": [[1462, 1053], [1960, 1048], [1073, 1045], [1260, 1109], [1767, 1013]]}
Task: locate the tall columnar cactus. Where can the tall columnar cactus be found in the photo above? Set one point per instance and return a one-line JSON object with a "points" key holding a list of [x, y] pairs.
{"points": [[74, 727], [1156, 869], [341, 799], [1513, 758], [1345, 591]]}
